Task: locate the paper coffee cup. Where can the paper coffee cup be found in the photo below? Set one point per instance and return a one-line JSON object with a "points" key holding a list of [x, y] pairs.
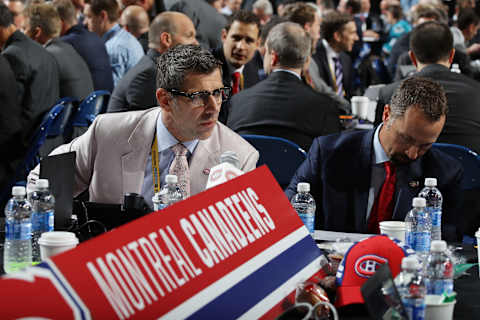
{"points": [[441, 311], [55, 242], [394, 229], [360, 106]]}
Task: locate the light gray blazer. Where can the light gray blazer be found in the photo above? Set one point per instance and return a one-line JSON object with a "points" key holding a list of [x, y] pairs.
{"points": [[112, 155]]}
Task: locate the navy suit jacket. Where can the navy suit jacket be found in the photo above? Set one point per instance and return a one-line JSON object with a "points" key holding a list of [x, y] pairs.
{"points": [[92, 49], [338, 168]]}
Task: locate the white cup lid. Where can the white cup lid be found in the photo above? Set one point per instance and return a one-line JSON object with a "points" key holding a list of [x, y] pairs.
{"points": [[392, 224], [58, 238], [359, 99]]}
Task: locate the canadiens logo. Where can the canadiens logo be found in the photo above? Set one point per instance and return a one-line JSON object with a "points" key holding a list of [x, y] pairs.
{"points": [[365, 266]]}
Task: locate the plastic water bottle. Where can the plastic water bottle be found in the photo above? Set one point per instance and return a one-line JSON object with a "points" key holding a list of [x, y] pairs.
{"points": [[304, 204], [439, 269], [455, 68], [434, 206], [411, 288], [170, 193], [418, 228], [43, 215], [17, 252]]}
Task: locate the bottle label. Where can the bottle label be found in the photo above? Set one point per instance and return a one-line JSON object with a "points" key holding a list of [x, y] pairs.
{"points": [[419, 241], [42, 221], [439, 286], [436, 216], [415, 308], [18, 230], [308, 221], [409, 239]]}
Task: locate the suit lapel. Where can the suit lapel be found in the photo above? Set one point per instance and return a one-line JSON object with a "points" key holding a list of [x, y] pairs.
{"points": [[323, 66], [408, 184], [363, 186], [205, 156], [135, 160]]}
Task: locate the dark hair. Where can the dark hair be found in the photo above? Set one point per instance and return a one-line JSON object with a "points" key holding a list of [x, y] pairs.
{"points": [[243, 16], [332, 22], [467, 17], [300, 12], [422, 93], [395, 10], [6, 17], [66, 11], [291, 43], [274, 20], [178, 62], [355, 5], [45, 17], [431, 42], [109, 6]]}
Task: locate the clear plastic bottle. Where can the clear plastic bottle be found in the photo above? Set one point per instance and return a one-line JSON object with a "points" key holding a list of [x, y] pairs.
{"points": [[439, 269], [418, 228], [434, 200], [170, 193], [411, 288], [304, 204], [17, 252], [43, 215]]}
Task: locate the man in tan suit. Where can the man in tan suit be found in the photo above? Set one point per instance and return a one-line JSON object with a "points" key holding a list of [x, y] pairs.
{"points": [[114, 155]]}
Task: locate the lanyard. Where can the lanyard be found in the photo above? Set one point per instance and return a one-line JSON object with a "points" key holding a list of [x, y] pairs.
{"points": [[155, 167]]}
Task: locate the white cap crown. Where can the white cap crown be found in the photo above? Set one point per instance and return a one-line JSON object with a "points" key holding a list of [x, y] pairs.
{"points": [[303, 187], [430, 182]]}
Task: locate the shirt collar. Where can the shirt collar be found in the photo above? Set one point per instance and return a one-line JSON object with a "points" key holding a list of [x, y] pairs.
{"points": [[289, 71], [107, 35], [379, 153], [330, 52], [240, 70], [166, 140]]}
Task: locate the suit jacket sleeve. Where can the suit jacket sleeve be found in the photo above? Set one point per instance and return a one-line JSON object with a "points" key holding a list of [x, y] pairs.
{"points": [[19, 69], [309, 171], [452, 208], [141, 91]]}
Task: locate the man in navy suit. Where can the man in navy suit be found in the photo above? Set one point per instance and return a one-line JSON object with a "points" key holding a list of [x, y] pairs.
{"points": [[348, 172]]}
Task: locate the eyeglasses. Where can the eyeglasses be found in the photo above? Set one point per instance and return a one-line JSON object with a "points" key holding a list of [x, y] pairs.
{"points": [[200, 98]]}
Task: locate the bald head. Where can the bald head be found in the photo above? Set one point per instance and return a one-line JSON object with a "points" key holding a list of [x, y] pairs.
{"points": [[135, 20], [169, 29]]}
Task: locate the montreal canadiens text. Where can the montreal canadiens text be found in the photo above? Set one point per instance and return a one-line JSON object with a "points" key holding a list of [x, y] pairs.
{"points": [[215, 233]]}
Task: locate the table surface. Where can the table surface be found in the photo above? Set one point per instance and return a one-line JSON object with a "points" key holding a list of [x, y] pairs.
{"points": [[467, 288]]}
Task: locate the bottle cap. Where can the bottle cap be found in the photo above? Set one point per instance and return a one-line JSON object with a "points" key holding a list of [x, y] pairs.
{"points": [[430, 182], [410, 262], [42, 183], [18, 191], [171, 178], [419, 202], [303, 187], [438, 246]]}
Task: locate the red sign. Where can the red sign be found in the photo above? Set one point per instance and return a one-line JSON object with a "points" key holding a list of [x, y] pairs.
{"points": [[235, 250]]}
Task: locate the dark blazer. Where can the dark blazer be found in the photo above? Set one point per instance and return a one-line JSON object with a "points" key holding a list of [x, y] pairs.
{"points": [[283, 106], [36, 76], [463, 98], [320, 57], [136, 89], [10, 121], [338, 168], [75, 77], [250, 78], [207, 21], [92, 49]]}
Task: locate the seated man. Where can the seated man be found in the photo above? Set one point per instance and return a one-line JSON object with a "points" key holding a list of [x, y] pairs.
{"points": [[114, 155], [282, 105], [352, 175]]}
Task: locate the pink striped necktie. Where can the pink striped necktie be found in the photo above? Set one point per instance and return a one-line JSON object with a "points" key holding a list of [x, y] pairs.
{"points": [[179, 167]]}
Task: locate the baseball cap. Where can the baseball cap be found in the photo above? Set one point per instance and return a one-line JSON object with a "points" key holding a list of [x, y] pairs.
{"points": [[361, 261]]}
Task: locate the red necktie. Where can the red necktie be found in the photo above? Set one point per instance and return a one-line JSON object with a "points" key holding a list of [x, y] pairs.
{"points": [[383, 207], [236, 82]]}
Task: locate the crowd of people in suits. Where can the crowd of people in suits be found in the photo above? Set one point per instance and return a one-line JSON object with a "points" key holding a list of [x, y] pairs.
{"points": [[290, 67]]}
